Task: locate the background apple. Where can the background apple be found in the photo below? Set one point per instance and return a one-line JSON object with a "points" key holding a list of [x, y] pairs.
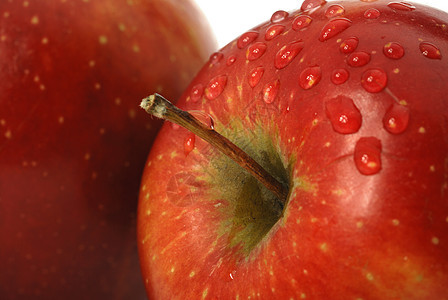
{"points": [[345, 103], [72, 146]]}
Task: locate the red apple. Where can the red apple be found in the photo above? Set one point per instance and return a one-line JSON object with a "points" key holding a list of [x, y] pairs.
{"points": [[72, 145], [345, 103]]}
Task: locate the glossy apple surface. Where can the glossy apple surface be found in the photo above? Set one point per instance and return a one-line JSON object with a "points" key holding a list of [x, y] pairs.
{"points": [[72, 143], [345, 102]]}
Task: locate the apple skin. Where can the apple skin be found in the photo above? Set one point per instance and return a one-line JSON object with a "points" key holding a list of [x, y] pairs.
{"points": [[365, 157], [72, 145]]}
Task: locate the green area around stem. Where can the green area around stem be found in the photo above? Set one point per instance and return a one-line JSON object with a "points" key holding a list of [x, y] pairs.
{"points": [[249, 215]]}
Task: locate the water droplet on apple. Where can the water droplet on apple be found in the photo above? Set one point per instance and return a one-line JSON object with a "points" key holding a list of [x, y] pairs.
{"points": [[339, 76], [216, 58], [393, 50], [358, 59], [231, 60], [174, 126], [349, 45], [301, 22], [396, 119], [343, 114], [334, 11], [279, 16], [229, 276], [311, 4], [310, 77], [182, 189], [215, 87], [270, 91], [287, 53], [401, 6], [430, 50], [374, 80], [189, 143], [196, 92], [204, 118], [232, 275], [255, 76], [372, 13], [256, 51], [246, 38], [367, 155], [334, 27], [273, 31]]}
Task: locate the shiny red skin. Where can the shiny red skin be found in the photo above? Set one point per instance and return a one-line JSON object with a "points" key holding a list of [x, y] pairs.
{"points": [[381, 234], [73, 141]]}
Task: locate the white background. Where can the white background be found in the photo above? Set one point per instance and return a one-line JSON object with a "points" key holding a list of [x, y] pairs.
{"points": [[230, 18]]}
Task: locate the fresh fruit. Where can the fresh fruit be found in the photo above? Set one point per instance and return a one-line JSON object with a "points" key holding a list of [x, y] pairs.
{"points": [[72, 144], [345, 104]]}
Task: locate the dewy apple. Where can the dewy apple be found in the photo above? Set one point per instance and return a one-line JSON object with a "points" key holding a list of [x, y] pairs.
{"points": [[345, 104]]}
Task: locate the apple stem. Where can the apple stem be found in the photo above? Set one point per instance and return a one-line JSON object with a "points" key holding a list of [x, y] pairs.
{"points": [[161, 108]]}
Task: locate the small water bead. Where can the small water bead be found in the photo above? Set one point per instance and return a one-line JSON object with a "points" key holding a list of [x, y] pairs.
{"points": [[339, 76], [279, 16], [287, 53], [174, 126], [273, 31], [196, 92], [349, 45], [367, 155], [256, 51], [246, 38], [230, 60], [189, 143], [396, 119], [358, 59], [228, 275], [430, 50], [372, 13], [301, 22], [334, 11], [216, 58], [204, 118], [215, 87], [343, 114], [255, 76], [393, 50], [311, 4], [310, 77], [232, 275], [334, 27], [374, 80], [270, 91], [401, 6]]}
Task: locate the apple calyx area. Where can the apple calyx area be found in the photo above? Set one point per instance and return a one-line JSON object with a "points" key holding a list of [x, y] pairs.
{"points": [[160, 107]]}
